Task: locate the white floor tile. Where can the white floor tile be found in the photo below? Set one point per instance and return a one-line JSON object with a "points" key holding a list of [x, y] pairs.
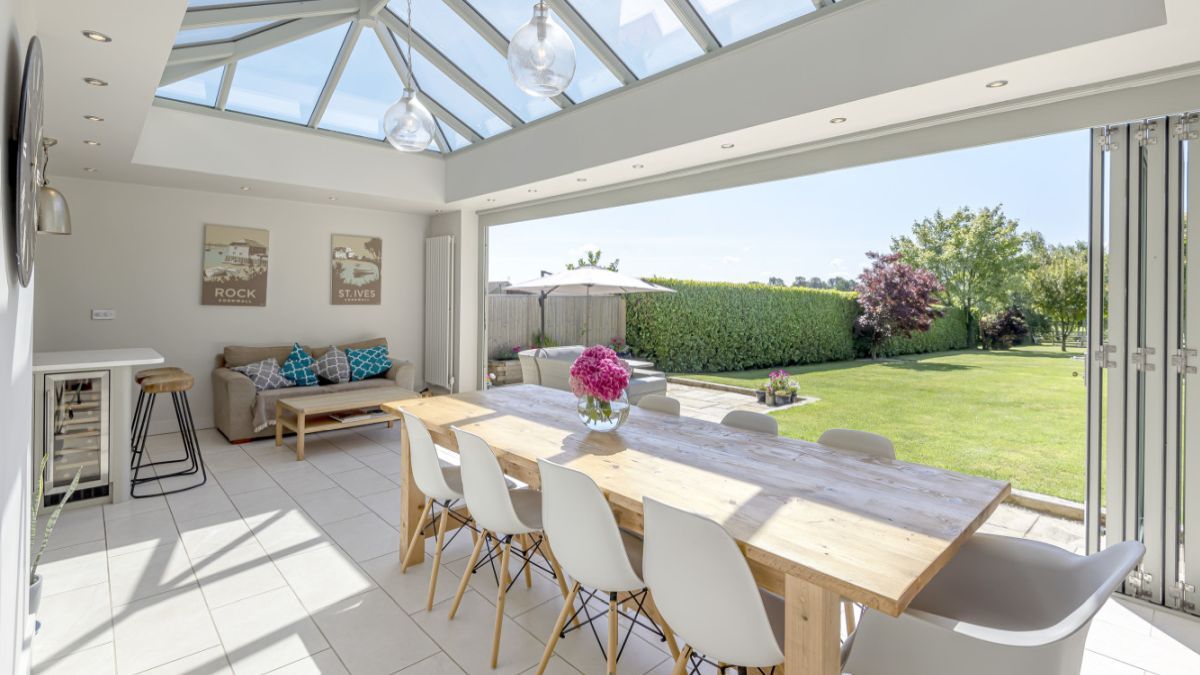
{"points": [[362, 482], [321, 663], [141, 531], [205, 500], [556, 667], [304, 479], [234, 461], [386, 463], [75, 526], [468, 638], [149, 572], [234, 574], [72, 567], [520, 599], [211, 661], [132, 507], [332, 461], [323, 576], [410, 590], [386, 505], [205, 536], [1095, 664], [267, 631], [330, 505], [286, 532], [365, 536], [73, 621], [579, 647], [98, 660], [245, 480], [161, 629], [372, 635], [438, 664]]}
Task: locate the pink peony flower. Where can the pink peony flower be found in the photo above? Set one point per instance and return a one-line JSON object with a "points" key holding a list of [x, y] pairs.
{"points": [[598, 372]]}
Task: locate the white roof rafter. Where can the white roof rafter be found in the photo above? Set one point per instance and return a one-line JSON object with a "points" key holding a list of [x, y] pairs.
{"points": [[694, 24], [335, 73], [588, 35], [211, 17], [393, 51]]}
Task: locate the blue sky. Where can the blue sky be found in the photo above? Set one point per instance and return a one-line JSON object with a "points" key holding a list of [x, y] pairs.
{"points": [[813, 225]]}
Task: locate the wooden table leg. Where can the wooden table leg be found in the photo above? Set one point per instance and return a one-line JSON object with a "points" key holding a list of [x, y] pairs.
{"points": [[410, 501], [299, 437], [811, 629], [278, 424]]}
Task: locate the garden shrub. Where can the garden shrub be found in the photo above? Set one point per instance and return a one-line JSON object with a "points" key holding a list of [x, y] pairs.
{"points": [[947, 334], [717, 326]]}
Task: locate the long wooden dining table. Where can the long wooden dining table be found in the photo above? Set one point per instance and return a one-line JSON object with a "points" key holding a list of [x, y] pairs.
{"points": [[816, 524]]}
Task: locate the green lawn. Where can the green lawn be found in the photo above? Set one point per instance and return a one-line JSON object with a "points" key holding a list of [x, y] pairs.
{"points": [[1018, 415]]}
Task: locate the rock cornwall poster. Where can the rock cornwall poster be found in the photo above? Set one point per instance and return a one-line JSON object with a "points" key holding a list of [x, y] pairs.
{"points": [[357, 271], [235, 266]]}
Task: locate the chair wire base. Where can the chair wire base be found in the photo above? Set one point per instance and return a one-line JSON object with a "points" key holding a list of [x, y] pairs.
{"points": [[638, 599]]}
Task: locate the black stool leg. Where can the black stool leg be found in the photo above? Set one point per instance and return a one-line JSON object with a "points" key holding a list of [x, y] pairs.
{"points": [[191, 445]]}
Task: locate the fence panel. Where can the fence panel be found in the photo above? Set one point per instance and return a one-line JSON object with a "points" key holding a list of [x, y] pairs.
{"points": [[514, 320]]}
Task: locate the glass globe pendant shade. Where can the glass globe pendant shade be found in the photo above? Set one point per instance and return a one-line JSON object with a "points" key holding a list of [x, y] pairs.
{"points": [[541, 56], [407, 125]]}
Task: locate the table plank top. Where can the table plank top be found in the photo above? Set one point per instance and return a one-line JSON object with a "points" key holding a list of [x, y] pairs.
{"points": [[874, 530], [341, 401]]}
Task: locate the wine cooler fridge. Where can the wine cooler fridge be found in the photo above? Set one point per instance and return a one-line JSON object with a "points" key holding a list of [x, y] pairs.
{"points": [[75, 436]]}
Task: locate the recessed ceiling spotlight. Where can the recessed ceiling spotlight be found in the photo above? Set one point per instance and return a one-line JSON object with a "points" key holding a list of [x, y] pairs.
{"points": [[245, 188], [639, 166], [580, 180], [332, 198], [96, 35], [996, 84], [91, 142], [838, 120], [533, 189], [93, 118], [95, 81], [89, 169], [491, 199], [726, 146]]}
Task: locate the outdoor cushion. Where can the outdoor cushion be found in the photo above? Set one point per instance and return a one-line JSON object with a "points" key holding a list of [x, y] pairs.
{"points": [[370, 362], [265, 375], [333, 366], [299, 367]]}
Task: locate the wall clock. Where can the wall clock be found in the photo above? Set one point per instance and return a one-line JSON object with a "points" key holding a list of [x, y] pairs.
{"points": [[29, 144]]}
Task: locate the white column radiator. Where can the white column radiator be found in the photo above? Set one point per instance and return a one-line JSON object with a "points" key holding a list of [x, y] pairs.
{"points": [[439, 311]]}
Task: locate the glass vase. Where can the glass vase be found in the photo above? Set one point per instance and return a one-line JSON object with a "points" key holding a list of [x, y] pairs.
{"points": [[600, 415]]}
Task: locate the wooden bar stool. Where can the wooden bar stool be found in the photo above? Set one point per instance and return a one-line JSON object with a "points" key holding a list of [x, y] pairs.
{"points": [[177, 384], [141, 419]]}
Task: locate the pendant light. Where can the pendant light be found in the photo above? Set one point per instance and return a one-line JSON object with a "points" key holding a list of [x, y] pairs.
{"points": [[53, 217], [541, 56], [407, 124]]}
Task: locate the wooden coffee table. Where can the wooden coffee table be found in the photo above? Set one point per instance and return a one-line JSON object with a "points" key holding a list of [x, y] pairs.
{"points": [[309, 414]]}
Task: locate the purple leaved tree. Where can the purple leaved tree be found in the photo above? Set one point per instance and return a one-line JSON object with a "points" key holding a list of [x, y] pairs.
{"points": [[896, 300]]}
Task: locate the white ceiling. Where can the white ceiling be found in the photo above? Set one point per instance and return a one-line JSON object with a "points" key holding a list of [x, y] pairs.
{"points": [[877, 63]]}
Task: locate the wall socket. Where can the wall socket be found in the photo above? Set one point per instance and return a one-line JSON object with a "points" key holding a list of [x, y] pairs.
{"points": [[104, 314]]}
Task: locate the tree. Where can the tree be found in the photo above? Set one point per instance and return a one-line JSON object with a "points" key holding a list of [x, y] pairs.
{"points": [[1058, 286], [896, 299], [592, 259], [776, 281], [840, 284], [374, 246], [975, 255]]}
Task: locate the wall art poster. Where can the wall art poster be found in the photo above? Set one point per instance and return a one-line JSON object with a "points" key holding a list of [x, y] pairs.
{"points": [[357, 270], [235, 266]]}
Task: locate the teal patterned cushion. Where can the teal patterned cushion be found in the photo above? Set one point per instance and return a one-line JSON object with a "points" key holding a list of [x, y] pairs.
{"points": [[299, 367], [370, 362]]}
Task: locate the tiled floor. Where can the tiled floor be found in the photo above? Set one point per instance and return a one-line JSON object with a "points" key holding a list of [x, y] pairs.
{"points": [[292, 567]]}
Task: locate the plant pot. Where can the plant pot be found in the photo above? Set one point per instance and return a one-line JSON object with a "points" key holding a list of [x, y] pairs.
{"points": [[762, 396], [35, 594]]}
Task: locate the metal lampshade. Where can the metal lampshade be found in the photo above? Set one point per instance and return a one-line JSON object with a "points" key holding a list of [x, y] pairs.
{"points": [[53, 216]]}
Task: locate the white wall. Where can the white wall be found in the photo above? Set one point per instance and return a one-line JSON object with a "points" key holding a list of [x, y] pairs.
{"points": [[137, 249], [16, 381]]}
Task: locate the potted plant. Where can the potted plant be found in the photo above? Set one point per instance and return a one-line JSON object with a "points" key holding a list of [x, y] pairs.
{"points": [[780, 389], [35, 580], [599, 379]]}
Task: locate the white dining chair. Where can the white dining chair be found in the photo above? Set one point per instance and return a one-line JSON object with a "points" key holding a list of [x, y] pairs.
{"points": [[703, 587], [867, 443], [1002, 605], [748, 420], [660, 403], [859, 441], [504, 514], [600, 557], [441, 484]]}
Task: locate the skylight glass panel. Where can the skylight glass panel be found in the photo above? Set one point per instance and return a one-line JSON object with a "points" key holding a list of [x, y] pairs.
{"points": [[200, 88], [646, 34], [284, 83], [453, 37], [464, 106], [455, 139], [591, 76], [217, 33], [367, 87], [733, 20]]}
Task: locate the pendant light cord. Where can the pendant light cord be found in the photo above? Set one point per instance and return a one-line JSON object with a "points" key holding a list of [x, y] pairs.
{"points": [[409, 85]]}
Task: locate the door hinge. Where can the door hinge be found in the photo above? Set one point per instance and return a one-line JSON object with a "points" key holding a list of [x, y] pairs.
{"points": [[1101, 356], [1139, 584], [1183, 359], [1187, 128], [1181, 595], [1107, 140], [1147, 133], [1141, 360]]}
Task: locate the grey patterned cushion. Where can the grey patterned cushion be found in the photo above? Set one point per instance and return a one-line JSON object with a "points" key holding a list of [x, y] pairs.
{"points": [[264, 374], [333, 366]]}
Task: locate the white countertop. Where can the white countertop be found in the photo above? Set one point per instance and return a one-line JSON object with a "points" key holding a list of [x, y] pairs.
{"points": [[95, 358]]}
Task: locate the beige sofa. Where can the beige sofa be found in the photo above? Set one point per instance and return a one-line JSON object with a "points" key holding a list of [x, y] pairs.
{"points": [[552, 368], [243, 414]]}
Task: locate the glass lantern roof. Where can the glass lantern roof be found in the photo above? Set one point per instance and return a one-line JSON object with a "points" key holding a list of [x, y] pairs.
{"points": [[336, 65]]}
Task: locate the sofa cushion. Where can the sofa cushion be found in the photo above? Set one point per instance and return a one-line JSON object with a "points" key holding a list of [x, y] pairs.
{"points": [[235, 355], [299, 367], [369, 362], [265, 375], [333, 366]]}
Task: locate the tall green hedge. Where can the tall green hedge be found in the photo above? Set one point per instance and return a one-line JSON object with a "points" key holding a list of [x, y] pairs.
{"points": [[717, 326], [713, 326]]}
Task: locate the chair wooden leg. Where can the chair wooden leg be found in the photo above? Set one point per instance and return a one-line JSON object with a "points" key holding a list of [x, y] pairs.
{"points": [[612, 634], [437, 557], [466, 577], [418, 538], [568, 605], [658, 619], [500, 596], [848, 609], [527, 544], [681, 661], [558, 573]]}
